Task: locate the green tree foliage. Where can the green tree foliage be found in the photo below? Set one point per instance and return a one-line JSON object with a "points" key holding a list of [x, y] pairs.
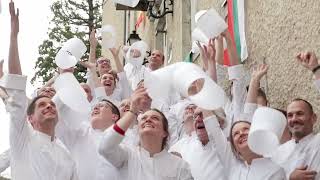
{"points": [[71, 18]]}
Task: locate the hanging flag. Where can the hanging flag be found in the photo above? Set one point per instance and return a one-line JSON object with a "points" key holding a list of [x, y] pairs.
{"points": [[140, 20], [236, 23]]}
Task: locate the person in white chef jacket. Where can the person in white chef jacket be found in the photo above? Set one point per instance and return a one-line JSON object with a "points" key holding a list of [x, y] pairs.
{"points": [[302, 152], [239, 161], [198, 149], [83, 138], [150, 159], [35, 151]]}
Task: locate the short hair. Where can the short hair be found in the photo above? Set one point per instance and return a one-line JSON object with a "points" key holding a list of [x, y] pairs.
{"points": [[165, 127], [32, 105], [115, 76], [114, 108], [233, 147], [306, 102]]}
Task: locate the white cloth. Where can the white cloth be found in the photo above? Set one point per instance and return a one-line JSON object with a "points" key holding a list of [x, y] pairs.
{"points": [[162, 166], [33, 155], [234, 108], [305, 152], [83, 141], [204, 161], [4, 160], [135, 74], [259, 169]]}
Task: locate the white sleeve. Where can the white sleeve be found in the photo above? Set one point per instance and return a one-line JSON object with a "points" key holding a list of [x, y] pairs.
{"points": [[126, 90], [89, 80], [185, 173], [239, 91], [248, 110], [317, 84], [111, 149], [70, 123], [220, 141], [4, 160], [16, 106], [99, 93]]}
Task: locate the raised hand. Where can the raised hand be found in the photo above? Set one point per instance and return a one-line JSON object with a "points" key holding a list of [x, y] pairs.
{"points": [[137, 99], [115, 51], [14, 19], [308, 60], [208, 52], [259, 72], [88, 65], [93, 40]]}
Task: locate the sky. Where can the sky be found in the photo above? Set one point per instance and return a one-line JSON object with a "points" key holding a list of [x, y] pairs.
{"points": [[34, 22]]}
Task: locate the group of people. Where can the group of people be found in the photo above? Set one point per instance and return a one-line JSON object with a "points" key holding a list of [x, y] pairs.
{"points": [[128, 135]]}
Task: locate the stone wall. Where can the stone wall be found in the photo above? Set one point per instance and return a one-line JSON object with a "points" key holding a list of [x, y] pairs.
{"points": [[275, 31]]}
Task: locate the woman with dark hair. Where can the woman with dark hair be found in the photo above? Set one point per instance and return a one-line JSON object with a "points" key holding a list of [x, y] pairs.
{"points": [[239, 161], [150, 159]]}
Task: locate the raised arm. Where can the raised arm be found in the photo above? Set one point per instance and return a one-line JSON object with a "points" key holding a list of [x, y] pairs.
{"points": [[232, 51], [208, 55], [15, 85], [14, 61], [219, 49], [115, 54], [218, 138], [93, 46], [110, 143], [310, 61]]}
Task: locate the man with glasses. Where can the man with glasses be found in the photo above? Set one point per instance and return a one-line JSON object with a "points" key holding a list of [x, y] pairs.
{"points": [[103, 66], [197, 148]]}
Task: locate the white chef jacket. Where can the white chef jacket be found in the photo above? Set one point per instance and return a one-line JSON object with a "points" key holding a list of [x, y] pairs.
{"points": [[234, 108], [121, 91], [304, 152], [162, 166], [259, 169], [83, 141], [4, 160], [296, 154], [205, 164], [33, 155], [135, 74]]}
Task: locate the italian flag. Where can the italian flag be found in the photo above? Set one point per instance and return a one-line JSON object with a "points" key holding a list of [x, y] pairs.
{"points": [[236, 23]]}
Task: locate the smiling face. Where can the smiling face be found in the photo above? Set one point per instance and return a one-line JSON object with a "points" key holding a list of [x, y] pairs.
{"points": [[300, 119], [239, 135], [152, 123], [200, 127], [103, 65], [42, 112], [108, 81], [103, 116], [156, 60]]}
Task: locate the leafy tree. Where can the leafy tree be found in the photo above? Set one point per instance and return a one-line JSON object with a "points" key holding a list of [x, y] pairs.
{"points": [[71, 18]]}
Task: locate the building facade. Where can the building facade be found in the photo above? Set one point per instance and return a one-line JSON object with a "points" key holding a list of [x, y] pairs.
{"points": [[275, 31]]}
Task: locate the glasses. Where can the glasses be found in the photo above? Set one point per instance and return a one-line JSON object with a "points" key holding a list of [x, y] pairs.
{"points": [[103, 61]]}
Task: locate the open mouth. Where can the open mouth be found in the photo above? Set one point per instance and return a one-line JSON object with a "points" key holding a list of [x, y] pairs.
{"points": [[107, 83], [242, 140], [148, 125], [201, 126]]}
